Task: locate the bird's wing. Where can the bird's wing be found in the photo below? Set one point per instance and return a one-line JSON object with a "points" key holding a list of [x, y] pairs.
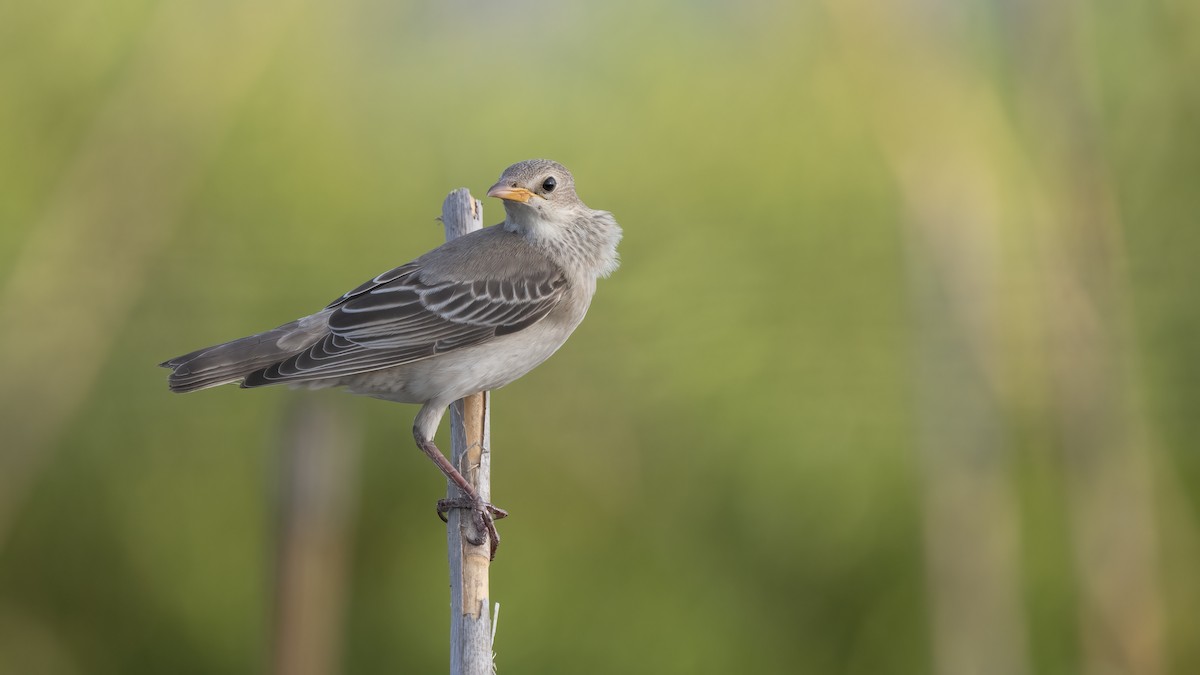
{"points": [[417, 311]]}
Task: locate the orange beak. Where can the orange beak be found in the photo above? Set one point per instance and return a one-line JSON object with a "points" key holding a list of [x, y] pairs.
{"points": [[512, 194]]}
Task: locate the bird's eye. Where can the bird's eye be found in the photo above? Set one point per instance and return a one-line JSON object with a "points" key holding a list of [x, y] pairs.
{"points": [[549, 184]]}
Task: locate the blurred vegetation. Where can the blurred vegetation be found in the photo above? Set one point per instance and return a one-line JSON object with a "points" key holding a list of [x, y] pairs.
{"points": [[899, 374]]}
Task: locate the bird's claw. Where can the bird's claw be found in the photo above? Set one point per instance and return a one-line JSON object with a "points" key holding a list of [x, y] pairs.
{"points": [[485, 515]]}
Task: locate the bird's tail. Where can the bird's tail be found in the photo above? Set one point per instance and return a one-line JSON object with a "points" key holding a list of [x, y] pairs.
{"points": [[233, 361]]}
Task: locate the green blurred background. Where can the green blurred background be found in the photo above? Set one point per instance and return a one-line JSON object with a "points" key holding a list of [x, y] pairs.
{"points": [[899, 375]]}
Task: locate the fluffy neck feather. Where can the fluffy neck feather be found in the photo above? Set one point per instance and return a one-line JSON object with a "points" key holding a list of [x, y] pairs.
{"points": [[579, 239]]}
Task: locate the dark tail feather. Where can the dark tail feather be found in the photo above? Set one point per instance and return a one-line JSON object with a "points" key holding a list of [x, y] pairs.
{"points": [[233, 361]]}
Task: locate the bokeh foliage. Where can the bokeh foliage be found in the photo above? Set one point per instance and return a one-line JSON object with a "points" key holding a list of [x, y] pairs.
{"points": [[888, 269]]}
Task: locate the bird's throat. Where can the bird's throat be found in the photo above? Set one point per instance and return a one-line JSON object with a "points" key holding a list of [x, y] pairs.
{"points": [[529, 221]]}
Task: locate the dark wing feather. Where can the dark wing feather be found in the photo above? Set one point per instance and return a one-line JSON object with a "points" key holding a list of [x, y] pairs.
{"points": [[390, 275], [399, 317]]}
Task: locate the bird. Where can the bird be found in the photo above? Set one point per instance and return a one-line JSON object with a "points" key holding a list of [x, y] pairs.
{"points": [[471, 315]]}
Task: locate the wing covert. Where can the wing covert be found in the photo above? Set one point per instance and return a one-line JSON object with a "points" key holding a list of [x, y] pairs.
{"points": [[399, 317]]}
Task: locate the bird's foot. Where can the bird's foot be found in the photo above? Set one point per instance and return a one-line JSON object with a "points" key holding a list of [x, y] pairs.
{"points": [[485, 515]]}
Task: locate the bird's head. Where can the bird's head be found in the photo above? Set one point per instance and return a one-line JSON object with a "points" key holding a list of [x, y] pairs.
{"points": [[536, 193]]}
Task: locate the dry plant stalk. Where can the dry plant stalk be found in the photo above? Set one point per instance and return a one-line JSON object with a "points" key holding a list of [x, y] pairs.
{"points": [[470, 442]]}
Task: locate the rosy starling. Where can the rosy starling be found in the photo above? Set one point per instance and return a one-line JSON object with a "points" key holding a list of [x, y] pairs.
{"points": [[471, 315]]}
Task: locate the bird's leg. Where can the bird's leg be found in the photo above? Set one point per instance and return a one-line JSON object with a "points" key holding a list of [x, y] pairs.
{"points": [[485, 514]]}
